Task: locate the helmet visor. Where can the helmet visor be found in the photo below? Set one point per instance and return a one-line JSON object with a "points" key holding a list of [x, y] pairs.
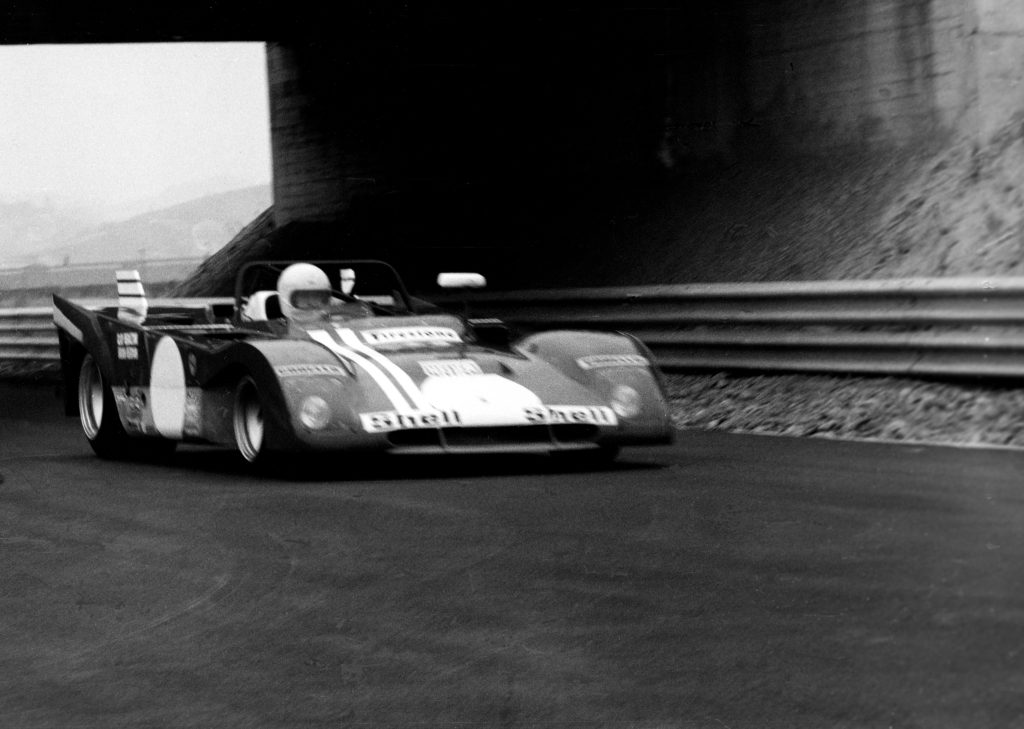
{"points": [[311, 299]]}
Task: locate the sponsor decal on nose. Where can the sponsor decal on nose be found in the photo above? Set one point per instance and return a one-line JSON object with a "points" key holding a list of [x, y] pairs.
{"points": [[388, 420], [595, 361], [298, 370], [408, 335], [560, 414], [450, 368]]}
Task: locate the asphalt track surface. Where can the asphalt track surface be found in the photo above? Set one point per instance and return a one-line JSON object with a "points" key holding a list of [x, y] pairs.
{"points": [[727, 581]]}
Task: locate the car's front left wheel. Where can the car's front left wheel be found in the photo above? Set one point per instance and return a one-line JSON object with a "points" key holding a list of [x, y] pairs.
{"points": [[248, 421]]}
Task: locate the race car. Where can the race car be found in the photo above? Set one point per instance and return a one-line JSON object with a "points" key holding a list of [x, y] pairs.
{"points": [[338, 356]]}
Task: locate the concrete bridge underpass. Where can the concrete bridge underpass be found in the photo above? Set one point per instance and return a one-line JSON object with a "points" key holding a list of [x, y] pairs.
{"points": [[498, 138]]}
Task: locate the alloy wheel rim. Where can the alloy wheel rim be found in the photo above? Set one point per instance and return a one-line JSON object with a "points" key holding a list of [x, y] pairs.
{"points": [[249, 424], [90, 398]]}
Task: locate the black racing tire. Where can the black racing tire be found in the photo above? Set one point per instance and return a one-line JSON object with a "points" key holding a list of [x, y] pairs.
{"points": [[249, 424], [97, 413]]}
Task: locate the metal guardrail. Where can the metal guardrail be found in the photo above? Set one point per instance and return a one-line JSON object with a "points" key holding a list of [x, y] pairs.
{"points": [[28, 335], [909, 301], [953, 327], [933, 327]]}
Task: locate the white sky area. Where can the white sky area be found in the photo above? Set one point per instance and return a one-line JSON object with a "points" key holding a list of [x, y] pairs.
{"points": [[110, 125]]}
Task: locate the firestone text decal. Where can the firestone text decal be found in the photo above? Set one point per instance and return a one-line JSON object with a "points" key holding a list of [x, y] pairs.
{"points": [[595, 361], [406, 335], [299, 370]]}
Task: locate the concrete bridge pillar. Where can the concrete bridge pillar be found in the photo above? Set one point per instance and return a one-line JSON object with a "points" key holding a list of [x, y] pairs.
{"points": [[330, 137], [998, 65]]}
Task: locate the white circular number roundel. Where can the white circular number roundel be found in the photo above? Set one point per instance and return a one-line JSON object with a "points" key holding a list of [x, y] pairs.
{"points": [[167, 389]]}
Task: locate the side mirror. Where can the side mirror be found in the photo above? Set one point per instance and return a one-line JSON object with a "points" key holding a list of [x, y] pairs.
{"points": [[461, 281], [347, 278]]}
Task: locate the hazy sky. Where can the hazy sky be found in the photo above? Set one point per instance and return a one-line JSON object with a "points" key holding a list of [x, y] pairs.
{"points": [[111, 124]]}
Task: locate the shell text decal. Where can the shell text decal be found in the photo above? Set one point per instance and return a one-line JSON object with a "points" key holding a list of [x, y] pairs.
{"points": [[557, 414], [388, 420]]}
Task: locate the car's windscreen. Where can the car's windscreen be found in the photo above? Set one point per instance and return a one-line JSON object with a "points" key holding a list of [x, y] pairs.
{"points": [[372, 282]]}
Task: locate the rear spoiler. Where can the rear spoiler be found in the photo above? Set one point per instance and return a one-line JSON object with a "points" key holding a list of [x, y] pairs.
{"points": [[132, 305]]}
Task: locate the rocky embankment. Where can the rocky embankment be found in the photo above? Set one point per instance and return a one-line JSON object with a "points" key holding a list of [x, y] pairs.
{"points": [[874, 408]]}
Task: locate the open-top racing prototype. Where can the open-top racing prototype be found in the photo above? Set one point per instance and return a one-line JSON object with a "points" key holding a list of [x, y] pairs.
{"points": [[337, 356]]}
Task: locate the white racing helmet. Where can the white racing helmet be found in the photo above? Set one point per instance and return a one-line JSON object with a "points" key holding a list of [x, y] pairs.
{"points": [[304, 292]]}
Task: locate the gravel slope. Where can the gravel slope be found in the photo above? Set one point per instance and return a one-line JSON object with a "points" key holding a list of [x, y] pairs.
{"points": [[885, 408]]}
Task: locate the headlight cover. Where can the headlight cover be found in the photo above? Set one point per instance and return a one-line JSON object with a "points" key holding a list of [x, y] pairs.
{"points": [[625, 401], [315, 413]]}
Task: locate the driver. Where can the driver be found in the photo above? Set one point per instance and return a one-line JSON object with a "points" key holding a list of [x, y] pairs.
{"points": [[304, 292]]}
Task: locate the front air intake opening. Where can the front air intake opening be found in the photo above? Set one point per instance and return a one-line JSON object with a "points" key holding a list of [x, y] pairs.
{"points": [[574, 433], [502, 435], [422, 437], [494, 436]]}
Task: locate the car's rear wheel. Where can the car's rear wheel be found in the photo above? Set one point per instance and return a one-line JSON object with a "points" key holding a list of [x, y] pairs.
{"points": [[97, 412], [91, 398], [248, 421]]}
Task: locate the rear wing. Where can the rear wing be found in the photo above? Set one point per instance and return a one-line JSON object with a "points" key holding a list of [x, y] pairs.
{"points": [[79, 320], [92, 326], [131, 297]]}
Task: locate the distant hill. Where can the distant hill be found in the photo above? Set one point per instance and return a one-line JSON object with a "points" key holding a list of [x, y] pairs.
{"points": [[29, 226], [190, 229]]}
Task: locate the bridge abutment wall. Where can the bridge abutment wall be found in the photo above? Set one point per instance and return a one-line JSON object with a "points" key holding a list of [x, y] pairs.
{"points": [[422, 131]]}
